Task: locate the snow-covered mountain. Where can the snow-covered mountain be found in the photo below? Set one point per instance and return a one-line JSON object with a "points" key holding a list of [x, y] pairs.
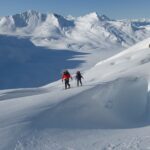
{"points": [[32, 42], [86, 32]]}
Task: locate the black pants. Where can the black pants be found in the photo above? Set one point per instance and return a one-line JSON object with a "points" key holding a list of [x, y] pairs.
{"points": [[79, 81], [67, 85]]}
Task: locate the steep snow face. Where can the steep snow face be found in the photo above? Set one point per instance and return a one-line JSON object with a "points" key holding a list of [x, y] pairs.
{"points": [[26, 22], [64, 22], [87, 32], [7, 24], [30, 18], [49, 28]]}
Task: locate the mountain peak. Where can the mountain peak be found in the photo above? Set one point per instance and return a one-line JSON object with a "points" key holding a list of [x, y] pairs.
{"points": [[89, 18], [63, 22], [28, 17], [94, 16], [31, 12]]}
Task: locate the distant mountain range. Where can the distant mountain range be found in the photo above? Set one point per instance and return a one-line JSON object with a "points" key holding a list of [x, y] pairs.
{"points": [[86, 32]]}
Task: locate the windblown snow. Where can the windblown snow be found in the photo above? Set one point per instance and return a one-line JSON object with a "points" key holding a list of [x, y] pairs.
{"points": [[111, 111]]}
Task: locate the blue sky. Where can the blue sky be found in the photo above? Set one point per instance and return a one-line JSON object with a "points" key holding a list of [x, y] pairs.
{"points": [[117, 9]]}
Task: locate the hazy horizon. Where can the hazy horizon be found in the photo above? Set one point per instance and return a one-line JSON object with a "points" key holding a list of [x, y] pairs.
{"points": [[115, 9]]}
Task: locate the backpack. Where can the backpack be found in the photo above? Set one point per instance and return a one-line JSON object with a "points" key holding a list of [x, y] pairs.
{"points": [[78, 75]]}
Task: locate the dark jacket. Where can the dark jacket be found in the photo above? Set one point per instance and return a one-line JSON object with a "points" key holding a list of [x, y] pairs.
{"points": [[78, 76]]}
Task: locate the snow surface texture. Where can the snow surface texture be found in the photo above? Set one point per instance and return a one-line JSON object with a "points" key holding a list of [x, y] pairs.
{"points": [[105, 113]]}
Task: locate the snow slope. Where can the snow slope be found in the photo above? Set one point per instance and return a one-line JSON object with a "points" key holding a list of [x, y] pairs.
{"points": [[105, 113]]}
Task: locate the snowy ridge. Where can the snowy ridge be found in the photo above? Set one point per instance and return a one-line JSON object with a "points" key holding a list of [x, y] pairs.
{"points": [[133, 49]]}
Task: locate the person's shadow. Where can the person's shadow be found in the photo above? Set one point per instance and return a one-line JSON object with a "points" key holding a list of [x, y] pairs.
{"points": [[24, 65]]}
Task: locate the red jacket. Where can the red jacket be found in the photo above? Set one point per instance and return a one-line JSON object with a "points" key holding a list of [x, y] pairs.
{"points": [[66, 76]]}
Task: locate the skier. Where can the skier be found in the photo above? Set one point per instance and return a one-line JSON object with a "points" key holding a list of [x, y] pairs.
{"points": [[66, 76], [78, 78]]}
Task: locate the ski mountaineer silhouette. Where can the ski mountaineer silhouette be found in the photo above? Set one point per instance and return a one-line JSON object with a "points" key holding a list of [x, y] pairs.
{"points": [[79, 78], [65, 77]]}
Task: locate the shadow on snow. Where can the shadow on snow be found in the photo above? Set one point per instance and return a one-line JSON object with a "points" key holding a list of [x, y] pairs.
{"points": [[25, 65]]}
